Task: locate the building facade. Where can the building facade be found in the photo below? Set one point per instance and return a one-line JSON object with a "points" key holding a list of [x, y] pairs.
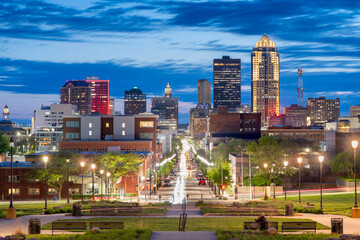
{"points": [[134, 101], [77, 92], [354, 111], [100, 99], [265, 79], [227, 82], [322, 110], [238, 125], [313, 135], [166, 107], [204, 93]]}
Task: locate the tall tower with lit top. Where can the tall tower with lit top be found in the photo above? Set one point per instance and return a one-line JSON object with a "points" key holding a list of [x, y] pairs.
{"points": [[6, 113], [265, 79]]}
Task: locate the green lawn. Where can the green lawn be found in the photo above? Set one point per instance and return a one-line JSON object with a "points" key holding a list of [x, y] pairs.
{"points": [[124, 234], [192, 224], [28, 209], [340, 204], [225, 235]]}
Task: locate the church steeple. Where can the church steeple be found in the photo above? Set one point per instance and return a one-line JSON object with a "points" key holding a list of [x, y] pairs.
{"points": [[168, 91], [6, 113]]}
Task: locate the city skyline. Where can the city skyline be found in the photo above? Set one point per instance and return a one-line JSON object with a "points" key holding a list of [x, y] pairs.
{"points": [[50, 41]]}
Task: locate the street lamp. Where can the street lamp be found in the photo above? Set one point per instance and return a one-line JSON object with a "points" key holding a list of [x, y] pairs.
{"points": [[321, 159], [11, 211], [355, 145], [265, 197], [108, 182], [285, 164], [273, 171], [299, 161], [45, 161], [92, 175], [67, 178], [101, 192], [82, 164]]}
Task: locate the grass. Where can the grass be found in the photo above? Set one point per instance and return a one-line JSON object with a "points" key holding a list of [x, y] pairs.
{"points": [[29, 209], [225, 235], [339, 204], [192, 224], [124, 234]]}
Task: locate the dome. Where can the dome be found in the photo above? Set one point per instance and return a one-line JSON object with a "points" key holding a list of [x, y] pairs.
{"points": [[265, 42]]}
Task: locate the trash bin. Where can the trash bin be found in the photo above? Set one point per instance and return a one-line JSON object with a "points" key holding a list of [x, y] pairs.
{"points": [[337, 226], [55, 198], [76, 210], [34, 226], [289, 209]]}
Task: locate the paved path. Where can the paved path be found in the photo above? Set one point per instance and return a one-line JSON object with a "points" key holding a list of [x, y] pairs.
{"points": [[191, 210], [198, 235]]}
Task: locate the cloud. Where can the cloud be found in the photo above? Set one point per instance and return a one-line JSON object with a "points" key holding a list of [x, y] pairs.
{"points": [[188, 89], [184, 107]]}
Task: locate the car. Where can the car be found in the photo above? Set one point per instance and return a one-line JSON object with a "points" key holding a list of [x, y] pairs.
{"points": [[202, 181], [167, 182]]}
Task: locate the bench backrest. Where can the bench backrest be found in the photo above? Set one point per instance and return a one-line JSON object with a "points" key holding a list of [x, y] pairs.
{"points": [[298, 225], [107, 225], [69, 225]]}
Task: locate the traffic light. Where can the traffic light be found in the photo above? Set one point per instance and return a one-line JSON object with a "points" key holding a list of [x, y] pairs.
{"points": [[223, 187]]}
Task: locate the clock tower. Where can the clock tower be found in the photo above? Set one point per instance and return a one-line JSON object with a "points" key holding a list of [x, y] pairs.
{"points": [[6, 113]]}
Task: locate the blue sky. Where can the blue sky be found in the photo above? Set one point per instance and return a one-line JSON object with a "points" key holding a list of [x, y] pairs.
{"points": [[149, 43]]}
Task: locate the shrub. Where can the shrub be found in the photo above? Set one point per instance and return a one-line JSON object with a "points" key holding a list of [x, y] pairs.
{"points": [[130, 194]]}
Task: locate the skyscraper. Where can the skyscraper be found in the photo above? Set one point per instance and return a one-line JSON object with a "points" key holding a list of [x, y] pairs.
{"points": [[323, 110], [167, 109], [204, 93], [99, 95], [134, 101], [265, 88], [227, 82], [77, 92]]}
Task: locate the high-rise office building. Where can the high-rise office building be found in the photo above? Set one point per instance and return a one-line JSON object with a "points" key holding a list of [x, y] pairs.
{"points": [[323, 110], [227, 82], [204, 93], [354, 111], [99, 95], [134, 101], [265, 81], [77, 92], [111, 106], [167, 109]]}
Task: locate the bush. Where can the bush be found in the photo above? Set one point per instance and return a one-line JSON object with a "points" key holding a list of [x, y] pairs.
{"points": [[130, 194], [59, 210], [306, 210]]}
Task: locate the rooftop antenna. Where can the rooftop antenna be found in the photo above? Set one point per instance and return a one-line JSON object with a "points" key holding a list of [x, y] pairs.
{"points": [[300, 89]]}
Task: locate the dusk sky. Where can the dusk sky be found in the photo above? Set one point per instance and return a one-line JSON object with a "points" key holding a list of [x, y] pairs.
{"points": [[150, 43]]}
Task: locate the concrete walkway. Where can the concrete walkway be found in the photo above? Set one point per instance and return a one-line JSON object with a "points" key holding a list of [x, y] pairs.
{"points": [[198, 235]]}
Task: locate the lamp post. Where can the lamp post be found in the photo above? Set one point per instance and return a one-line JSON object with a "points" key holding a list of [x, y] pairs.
{"points": [[355, 145], [108, 181], [46, 191], [321, 159], [11, 211], [82, 164], [273, 171], [299, 161], [67, 178], [101, 192], [285, 164], [266, 196], [93, 183]]}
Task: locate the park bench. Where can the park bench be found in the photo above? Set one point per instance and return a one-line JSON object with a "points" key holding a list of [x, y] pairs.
{"points": [[298, 226], [68, 226], [249, 225], [107, 225], [114, 210]]}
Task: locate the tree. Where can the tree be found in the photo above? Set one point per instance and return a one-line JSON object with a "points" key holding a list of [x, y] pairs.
{"points": [[56, 170], [4, 143], [343, 164], [215, 175], [120, 164]]}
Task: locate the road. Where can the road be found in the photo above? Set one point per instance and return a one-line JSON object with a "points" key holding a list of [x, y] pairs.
{"points": [[185, 184]]}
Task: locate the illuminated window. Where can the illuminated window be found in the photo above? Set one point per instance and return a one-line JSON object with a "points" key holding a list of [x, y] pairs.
{"points": [[146, 124], [90, 125], [123, 125], [90, 133], [52, 191], [107, 124], [16, 191], [123, 133], [34, 191]]}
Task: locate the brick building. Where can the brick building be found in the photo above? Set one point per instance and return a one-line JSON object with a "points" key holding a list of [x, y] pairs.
{"points": [[25, 188], [314, 135], [224, 124]]}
